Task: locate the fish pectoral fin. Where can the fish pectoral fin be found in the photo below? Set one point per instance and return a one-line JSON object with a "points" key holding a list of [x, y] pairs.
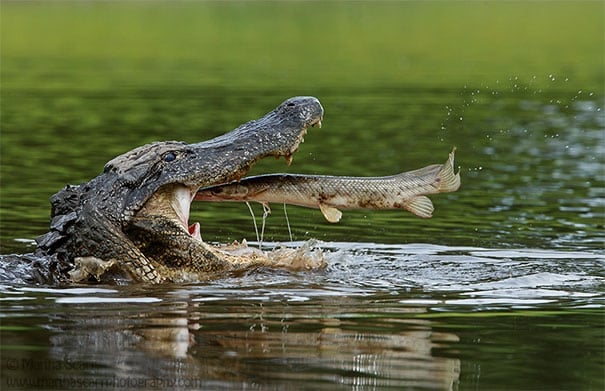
{"points": [[331, 214], [421, 206]]}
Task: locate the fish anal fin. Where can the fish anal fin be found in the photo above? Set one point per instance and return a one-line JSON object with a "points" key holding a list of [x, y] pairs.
{"points": [[421, 206], [331, 214]]}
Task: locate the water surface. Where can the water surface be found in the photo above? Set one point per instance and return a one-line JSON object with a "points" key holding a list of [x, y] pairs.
{"points": [[380, 316]]}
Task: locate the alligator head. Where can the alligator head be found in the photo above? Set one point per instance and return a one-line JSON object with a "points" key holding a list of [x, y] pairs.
{"points": [[133, 217]]}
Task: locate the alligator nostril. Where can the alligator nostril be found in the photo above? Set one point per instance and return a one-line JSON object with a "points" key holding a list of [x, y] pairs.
{"points": [[291, 104]]}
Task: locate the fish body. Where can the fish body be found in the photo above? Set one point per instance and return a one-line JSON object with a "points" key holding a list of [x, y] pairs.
{"points": [[407, 190]]}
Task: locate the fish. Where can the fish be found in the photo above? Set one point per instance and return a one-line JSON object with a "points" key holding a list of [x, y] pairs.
{"points": [[407, 190]]}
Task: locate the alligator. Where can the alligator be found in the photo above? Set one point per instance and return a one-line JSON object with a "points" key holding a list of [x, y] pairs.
{"points": [[131, 221]]}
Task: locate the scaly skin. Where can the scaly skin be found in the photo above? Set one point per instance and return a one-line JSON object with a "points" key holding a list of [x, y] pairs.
{"points": [[125, 223]]}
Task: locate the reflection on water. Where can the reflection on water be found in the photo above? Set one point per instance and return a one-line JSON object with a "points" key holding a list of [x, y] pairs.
{"points": [[268, 343], [401, 316]]}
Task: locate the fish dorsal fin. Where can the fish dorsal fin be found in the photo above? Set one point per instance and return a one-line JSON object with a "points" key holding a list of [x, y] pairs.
{"points": [[421, 206], [331, 214]]}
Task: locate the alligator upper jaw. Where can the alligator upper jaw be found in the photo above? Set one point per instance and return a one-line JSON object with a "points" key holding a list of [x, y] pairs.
{"points": [[173, 201]]}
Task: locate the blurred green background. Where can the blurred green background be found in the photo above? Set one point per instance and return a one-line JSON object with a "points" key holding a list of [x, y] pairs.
{"points": [[300, 45]]}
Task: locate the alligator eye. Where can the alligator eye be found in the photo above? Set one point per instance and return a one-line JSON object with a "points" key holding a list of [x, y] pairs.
{"points": [[169, 157]]}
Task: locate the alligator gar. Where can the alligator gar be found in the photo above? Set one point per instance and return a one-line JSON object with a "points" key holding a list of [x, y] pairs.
{"points": [[407, 190]]}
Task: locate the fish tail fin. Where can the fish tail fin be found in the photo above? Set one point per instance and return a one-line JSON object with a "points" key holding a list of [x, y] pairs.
{"points": [[445, 180], [421, 206], [449, 180]]}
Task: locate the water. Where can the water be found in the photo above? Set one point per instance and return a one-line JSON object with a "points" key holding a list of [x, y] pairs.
{"points": [[379, 316], [504, 288]]}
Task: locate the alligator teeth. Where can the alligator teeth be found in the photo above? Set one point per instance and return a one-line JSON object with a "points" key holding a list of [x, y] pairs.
{"points": [[181, 202], [288, 159]]}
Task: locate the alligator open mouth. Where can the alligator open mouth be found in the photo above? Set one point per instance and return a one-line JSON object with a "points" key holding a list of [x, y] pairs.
{"points": [[173, 201]]}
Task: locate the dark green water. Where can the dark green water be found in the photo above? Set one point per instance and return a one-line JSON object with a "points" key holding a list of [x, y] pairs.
{"points": [[504, 288]]}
